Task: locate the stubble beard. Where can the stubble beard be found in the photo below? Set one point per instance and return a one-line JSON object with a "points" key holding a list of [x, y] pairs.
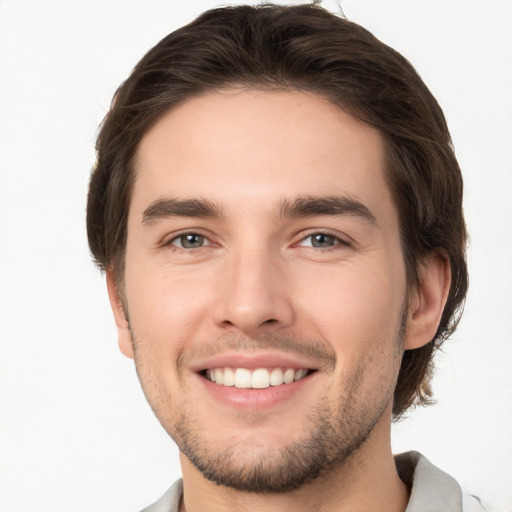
{"points": [[252, 467], [333, 434]]}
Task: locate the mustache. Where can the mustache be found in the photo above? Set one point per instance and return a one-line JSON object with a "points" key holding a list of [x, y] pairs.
{"points": [[320, 354]]}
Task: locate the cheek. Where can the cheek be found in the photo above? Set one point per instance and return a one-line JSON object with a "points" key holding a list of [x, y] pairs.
{"points": [[361, 319], [166, 310], [354, 309]]}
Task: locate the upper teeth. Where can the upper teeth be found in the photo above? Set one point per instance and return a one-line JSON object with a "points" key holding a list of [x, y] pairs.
{"points": [[259, 379]]}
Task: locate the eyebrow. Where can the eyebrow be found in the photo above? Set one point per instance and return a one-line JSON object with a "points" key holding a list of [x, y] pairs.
{"points": [[303, 206], [309, 206], [170, 207]]}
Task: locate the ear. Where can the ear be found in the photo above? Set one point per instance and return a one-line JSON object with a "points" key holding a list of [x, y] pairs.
{"points": [[123, 327], [427, 301]]}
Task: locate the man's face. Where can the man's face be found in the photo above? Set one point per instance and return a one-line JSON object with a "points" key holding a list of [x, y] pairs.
{"points": [[263, 250]]}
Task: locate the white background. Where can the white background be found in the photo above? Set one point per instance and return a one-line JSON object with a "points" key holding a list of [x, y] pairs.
{"points": [[75, 431]]}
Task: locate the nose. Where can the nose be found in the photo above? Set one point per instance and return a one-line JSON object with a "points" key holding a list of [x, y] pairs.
{"points": [[254, 295]]}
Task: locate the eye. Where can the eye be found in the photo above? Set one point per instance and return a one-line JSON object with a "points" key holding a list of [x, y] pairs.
{"points": [[190, 241], [322, 241]]}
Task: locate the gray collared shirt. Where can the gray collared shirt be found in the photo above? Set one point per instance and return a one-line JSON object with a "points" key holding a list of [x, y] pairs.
{"points": [[432, 490]]}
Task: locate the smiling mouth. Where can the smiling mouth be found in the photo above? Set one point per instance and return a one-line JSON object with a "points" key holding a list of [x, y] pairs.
{"points": [[259, 378]]}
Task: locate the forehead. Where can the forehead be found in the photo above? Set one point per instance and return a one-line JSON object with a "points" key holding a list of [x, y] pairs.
{"points": [[248, 147]]}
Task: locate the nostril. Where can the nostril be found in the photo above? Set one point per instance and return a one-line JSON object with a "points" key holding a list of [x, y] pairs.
{"points": [[270, 321]]}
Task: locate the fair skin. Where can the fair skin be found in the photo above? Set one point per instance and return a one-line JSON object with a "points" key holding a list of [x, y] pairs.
{"points": [[262, 236]]}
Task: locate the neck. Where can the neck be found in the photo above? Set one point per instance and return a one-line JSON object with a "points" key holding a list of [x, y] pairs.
{"points": [[366, 481]]}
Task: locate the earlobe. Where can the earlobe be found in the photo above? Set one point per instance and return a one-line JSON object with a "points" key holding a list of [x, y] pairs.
{"points": [[123, 326], [427, 301]]}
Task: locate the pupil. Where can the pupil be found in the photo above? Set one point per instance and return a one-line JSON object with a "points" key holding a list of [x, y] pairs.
{"points": [[322, 240], [192, 241]]}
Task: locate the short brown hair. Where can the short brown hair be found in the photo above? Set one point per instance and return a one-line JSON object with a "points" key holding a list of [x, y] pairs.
{"points": [[300, 48]]}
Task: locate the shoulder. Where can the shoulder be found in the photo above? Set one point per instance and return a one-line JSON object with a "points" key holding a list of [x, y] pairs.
{"points": [[170, 501], [431, 488]]}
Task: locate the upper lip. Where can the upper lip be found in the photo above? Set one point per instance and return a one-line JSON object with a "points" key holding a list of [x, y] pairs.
{"points": [[251, 361]]}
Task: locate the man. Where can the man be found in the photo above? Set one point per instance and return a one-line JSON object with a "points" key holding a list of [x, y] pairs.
{"points": [[278, 210]]}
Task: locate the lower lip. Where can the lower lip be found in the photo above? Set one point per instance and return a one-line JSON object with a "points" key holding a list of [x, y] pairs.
{"points": [[254, 399]]}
